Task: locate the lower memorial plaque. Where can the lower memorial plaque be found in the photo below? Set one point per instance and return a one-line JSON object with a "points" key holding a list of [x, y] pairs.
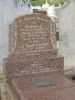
{"points": [[44, 83]]}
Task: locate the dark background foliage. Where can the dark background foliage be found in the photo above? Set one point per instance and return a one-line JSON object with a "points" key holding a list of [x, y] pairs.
{"points": [[51, 2]]}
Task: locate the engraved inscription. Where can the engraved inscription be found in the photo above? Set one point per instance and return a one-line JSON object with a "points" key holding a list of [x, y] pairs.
{"points": [[34, 34]]}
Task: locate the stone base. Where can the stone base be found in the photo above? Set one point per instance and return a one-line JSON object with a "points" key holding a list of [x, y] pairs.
{"points": [[62, 89]]}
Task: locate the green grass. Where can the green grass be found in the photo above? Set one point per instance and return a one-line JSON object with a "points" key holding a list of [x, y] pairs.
{"points": [[51, 2]]}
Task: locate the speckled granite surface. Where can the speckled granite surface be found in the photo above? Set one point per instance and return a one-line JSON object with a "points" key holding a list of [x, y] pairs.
{"points": [[62, 90], [34, 57]]}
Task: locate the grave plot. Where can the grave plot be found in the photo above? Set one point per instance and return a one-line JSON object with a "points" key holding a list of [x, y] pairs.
{"points": [[33, 61]]}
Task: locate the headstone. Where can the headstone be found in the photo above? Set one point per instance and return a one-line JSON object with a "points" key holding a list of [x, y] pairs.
{"points": [[66, 22], [32, 46], [33, 61], [36, 41]]}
